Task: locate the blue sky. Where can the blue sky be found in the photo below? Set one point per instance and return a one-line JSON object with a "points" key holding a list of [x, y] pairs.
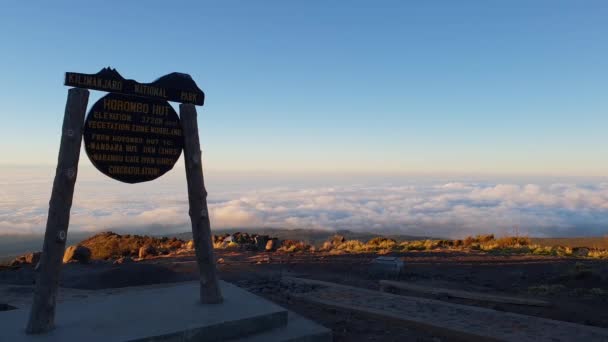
{"points": [[442, 118], [468, 87]]}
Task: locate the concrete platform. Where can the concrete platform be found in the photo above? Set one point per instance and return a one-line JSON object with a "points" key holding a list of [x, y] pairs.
{"points": [[158, 313], [298, 329]]}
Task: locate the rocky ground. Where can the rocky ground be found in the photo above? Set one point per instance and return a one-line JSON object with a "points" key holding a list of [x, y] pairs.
{"points": [[575, 286]]}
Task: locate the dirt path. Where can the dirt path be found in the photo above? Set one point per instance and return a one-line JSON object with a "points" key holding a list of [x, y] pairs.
{"points": [[446, 319]]}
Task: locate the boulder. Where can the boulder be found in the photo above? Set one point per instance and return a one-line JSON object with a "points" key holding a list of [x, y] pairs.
{"points": [[33, 258], [327, 246], [30, 258], [190, 244], [146, 251], [17, 261], [173, 244], [77, 254], [293, 246], [338, 239], [580, 251], [242, 238], [123, 260], [261, 241], [272, 245]]}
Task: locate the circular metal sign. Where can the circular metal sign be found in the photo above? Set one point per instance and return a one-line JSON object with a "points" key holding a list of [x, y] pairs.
{"points": [[132, 139]]}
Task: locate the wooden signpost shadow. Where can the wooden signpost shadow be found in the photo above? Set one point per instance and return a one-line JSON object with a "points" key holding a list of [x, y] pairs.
{"points": [[174, 87]]}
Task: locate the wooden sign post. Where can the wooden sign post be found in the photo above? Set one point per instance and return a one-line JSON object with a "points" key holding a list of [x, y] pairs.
{"points": [[132, 135], [42, 316], [199, 214]]}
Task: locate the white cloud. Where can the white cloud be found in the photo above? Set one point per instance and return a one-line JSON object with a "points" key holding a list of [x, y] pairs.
{"points": [[451, 209]]}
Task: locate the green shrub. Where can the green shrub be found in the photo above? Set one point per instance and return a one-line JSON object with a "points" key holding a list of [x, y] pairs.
{"points": [[513, 241], [468, 241], [355, 246], [543, 251], [484, 238], [290, 246], [412, 246], [380, 243], [598, 253]]}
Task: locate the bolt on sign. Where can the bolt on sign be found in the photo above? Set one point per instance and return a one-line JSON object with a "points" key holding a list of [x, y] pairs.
{"points": [[133, 135]]}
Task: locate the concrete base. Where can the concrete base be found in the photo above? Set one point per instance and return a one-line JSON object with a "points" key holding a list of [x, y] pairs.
{"points": [[158, 313], [298, 329]]}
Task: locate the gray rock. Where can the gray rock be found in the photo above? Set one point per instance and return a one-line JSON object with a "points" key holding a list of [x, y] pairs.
{"points": [[77, 254], [190, 244], [338, 240], [33, 258], [272, 245], [17, 261], [30, 258], [146, 251], [261, 241], [123, 260]]}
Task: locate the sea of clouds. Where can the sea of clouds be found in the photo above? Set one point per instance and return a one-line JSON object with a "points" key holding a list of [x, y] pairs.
{"points": [[409, 206]]}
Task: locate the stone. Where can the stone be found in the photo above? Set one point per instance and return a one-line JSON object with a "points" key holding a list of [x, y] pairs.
{"points": [[190, 244], [261, 241], [218, 238], [327, 246], [239, 237], [123, 260], [338, 239], [333, 242], [77, 254], [271, 245], [580, 251], [33, 258], [174, 244], [20, 260], [146, 251]]}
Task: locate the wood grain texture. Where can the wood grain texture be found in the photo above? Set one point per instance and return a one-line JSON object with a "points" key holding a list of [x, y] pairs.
{"points": [[42, 316], [197, 197]]}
